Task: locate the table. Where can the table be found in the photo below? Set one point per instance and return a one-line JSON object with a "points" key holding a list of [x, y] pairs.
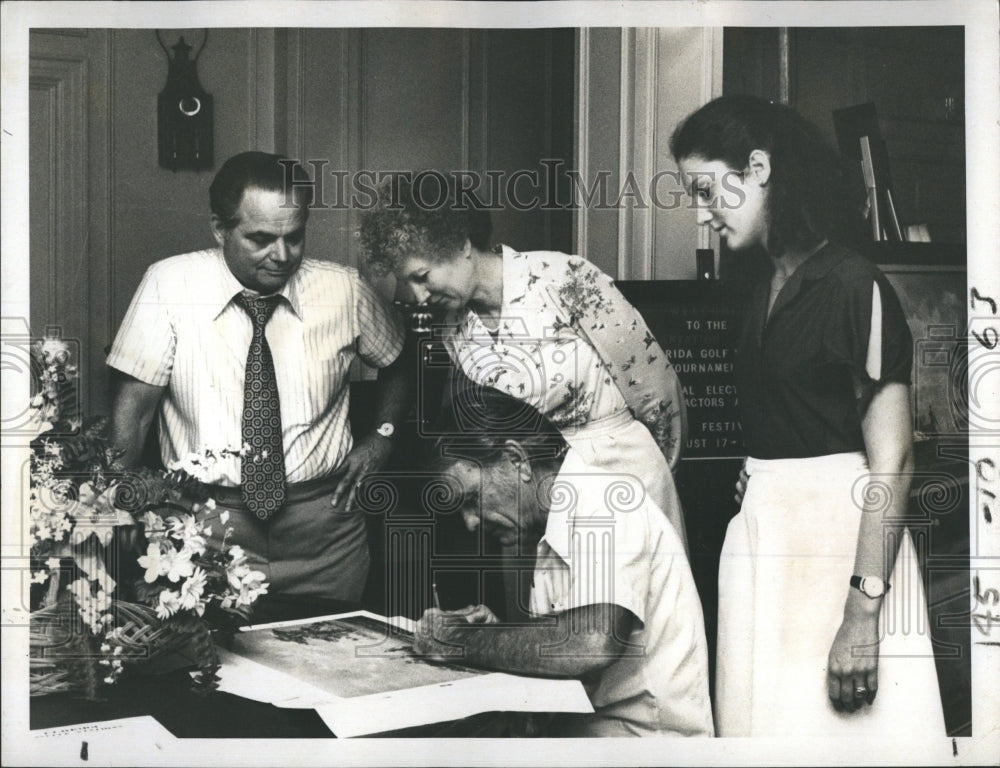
{"points": [[169, 699]]}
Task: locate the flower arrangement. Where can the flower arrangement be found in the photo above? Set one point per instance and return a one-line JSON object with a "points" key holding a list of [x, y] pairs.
{"points": [[88, 518]]}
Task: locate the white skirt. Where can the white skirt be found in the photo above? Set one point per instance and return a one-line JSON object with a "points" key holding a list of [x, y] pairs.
{"points": [[783, 579], [620, 444]]}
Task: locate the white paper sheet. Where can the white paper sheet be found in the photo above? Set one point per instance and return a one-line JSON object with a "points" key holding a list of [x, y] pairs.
{"points": [[494, 692], [109, 742], [468, 693]]}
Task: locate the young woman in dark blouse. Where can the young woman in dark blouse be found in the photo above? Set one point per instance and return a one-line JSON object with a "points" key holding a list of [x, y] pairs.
{"points": [[824, 375]]}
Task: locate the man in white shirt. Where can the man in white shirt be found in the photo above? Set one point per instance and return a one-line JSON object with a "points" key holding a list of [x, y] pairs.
{"points": [[182, 352], [613, 600]]}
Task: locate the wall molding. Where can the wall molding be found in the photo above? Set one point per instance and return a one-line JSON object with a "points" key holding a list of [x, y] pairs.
{"points": [[103, 247], [711, 87], [638, 130], [475, 103], [352, 109], [293, 125], [656, 76], [47, 270], [627, 133], [62, 80], [466, 96], [59, 76], [261, 89], [581, 109]]}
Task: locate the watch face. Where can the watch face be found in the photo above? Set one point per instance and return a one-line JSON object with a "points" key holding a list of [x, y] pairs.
{"points": [[872, 586], [386, 430]]}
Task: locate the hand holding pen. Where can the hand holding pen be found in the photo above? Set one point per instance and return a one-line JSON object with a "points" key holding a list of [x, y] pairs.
{"points": [[473, 614]]}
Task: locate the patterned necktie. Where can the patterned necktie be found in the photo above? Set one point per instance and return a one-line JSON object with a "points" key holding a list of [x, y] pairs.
{"points": [[262, 470]]}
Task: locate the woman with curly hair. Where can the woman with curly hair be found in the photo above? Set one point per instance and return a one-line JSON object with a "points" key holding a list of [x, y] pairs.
{"points": [[545, 327], [823, 374]]}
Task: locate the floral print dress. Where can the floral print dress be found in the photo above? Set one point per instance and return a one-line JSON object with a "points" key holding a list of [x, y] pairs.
{"points": [[570, 344]]}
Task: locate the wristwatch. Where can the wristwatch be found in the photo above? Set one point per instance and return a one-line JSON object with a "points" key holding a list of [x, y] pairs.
{"points": [[870, 586], [387, 429]]}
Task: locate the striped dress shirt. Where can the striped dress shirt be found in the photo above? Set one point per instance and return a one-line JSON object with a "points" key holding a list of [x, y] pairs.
{"points": [[183, 331]]}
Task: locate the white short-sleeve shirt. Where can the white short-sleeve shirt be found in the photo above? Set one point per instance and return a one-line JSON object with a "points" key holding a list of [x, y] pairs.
{"points": [[605, 542], [183, 331]]}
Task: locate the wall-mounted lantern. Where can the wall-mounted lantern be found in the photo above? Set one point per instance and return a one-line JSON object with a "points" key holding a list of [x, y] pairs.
{"points": [[184, 112]]}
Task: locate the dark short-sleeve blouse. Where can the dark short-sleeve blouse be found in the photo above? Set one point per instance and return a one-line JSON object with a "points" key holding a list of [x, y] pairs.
{"points": [[806, 374]]}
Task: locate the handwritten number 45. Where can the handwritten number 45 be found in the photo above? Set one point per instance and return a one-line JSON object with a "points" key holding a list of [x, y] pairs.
{"points": [[990, 338]]}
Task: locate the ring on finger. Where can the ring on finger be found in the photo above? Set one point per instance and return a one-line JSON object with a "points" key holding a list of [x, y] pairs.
{"points": [[860, 692]]}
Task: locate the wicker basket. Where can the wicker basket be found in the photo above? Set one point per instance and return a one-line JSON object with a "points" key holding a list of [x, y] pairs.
{"points": [[65, 657]]}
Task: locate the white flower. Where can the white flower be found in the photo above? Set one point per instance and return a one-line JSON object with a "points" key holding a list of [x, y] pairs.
{"points": [[91, 607], [52, 563], [176, 565], [250, 594], [187, 529], [192, 591], [43, 532], [236, 573], [39, 577], [80, 587], [153, 562], [197, 465], [250, 587], [102, 600], [169, 604], [105, 581]]}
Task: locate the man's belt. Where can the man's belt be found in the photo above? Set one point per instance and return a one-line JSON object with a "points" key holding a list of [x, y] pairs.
{"points": [[232, 495]]}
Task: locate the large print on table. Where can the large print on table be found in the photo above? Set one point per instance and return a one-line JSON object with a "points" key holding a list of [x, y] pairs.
{"points": [[359, 672], [349, 656]]}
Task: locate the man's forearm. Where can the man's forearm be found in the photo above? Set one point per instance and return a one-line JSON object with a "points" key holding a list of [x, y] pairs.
{"points": [[132, 415], [128, 436], [566, 645], [392, 393]]}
